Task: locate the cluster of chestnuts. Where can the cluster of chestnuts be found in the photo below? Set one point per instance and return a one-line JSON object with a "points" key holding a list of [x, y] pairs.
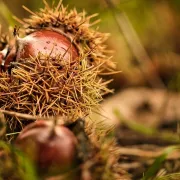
{"points": [[52, 68]]}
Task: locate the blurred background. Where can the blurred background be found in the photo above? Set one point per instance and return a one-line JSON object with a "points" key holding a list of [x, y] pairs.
{"points": [[145, 38]]}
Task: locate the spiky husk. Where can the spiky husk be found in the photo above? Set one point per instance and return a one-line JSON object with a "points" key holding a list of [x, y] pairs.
{"points": [[103, 165], [77, 27], [46, 86], [104, 162]]}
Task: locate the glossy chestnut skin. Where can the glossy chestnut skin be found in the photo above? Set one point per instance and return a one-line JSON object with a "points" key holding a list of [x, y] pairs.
{"points": [[53, 149], [46, 42]]}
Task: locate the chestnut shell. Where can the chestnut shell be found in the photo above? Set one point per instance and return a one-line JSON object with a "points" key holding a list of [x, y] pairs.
{"points": [[53, 149]]}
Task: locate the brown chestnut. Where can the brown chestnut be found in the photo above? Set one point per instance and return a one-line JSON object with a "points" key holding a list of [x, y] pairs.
{"points": [[52, 148], [46, 42]]}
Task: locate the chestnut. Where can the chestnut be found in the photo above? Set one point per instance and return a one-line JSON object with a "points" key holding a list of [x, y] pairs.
{"points": [[51, 147], [46, 42]]}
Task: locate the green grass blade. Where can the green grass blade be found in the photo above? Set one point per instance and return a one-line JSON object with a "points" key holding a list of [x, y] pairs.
{"points": [[151, 172]]}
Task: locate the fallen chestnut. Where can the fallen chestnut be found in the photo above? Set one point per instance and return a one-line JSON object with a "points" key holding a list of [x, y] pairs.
{"points": [[51, 147]]}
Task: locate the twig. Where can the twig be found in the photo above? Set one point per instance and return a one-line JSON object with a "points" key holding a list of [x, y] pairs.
{"points": [[24, 116]]}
